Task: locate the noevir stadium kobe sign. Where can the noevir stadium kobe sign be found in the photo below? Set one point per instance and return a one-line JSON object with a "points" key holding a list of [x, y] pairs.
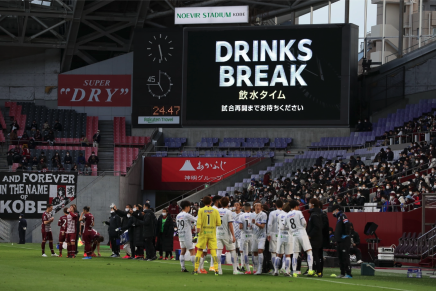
{"points": [[211, 15]]}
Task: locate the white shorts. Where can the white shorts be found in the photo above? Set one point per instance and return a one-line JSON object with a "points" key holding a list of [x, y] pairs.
{"points": [[228, 243], [258, 244], [237, 243], [273, 243], [186, 245], [246, 244], [284, 244], [301, 241]]}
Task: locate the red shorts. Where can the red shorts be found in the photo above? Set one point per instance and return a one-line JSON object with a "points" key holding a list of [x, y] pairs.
{"points": [[62, 236], [47, 235], [87, 237], [70, 238]]}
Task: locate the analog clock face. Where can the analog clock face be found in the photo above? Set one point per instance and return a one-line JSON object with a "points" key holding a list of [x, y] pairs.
{"points": [[160, 48], [159, 86]]}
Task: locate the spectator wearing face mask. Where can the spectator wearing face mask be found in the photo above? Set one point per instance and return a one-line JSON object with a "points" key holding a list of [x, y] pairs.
{"points": [[68, 160], [165, 228], [384, 204], [93, 159], [389, 155], [394, 202]]}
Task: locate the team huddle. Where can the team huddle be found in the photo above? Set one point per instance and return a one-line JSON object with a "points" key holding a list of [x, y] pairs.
{"points": [[218, 227], [70, 230]]}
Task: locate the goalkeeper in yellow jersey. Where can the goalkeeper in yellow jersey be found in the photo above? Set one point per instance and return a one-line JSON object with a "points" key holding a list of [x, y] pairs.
{"points": [[207, 220]]}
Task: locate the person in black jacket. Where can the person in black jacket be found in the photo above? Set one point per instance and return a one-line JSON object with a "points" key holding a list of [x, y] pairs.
{"points": [[314, 231], [149, 232], [165, 232], [325, 236], [138, 229], [22, 226], [126, 224], [355, 241], [343, 240], [114, 223]]}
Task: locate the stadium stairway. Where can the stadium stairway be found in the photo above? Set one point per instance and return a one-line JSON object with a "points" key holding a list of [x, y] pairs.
{"points": [[106, 147]]}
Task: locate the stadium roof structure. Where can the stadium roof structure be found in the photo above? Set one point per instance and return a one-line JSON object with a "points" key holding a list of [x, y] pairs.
{"points": [[90, 31]]}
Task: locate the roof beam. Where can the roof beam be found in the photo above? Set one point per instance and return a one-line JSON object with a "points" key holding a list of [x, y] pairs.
{"points": [[8, 33], [263, 3], [96, 5], [95, 35], [73, 31], [100, 29], [86, 57], [48, 29], [63, 15], [60, 37], [64, 5]]}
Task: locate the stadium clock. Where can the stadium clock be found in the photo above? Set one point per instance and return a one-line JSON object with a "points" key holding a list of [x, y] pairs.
{"points": [[159, 86]]}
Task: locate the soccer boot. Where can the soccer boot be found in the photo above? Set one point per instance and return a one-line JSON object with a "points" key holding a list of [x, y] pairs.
{"points": [[348, 277], [258, 273], [87, 258], [160, 258], [248, 273], [340, 276], [126, 257], [54, 255], [243, 270], [295, 275], [93, 255], [307, 272], [203, 271], [184, 270], [238, 273], [287, 275], [60, 256], [195, 273], [310, 273], [172, 258], [44, 255], [217, 273], [275, 274], [220, 271], [212, 269], [319, 275]]}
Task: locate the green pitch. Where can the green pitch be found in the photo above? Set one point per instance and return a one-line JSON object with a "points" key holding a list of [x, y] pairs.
{"points": [[23, 268]]}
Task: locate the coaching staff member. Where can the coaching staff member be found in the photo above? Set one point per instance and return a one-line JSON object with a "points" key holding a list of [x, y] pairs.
{"points": [[314, 231], [149, 232], [343, 240]]}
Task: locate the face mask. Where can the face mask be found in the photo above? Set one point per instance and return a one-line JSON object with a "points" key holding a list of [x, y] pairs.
{"points": [[358, 194], [366, 175], [134, 208], [416, 175], [388, 187], [112, 211], [383, 200], [378, 190], [322, 191], [68, 155], [128, 215], [127, 209], [398, 195], [164, 214], [93, 155]]}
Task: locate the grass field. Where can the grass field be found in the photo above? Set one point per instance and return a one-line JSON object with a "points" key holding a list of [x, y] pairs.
{"points": [[23, 268]]}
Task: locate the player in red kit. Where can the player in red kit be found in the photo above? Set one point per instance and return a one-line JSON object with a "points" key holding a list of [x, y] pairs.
{"points": [[88, 234], [71, 231], [63, 224], [47, 219], [96, 240]]}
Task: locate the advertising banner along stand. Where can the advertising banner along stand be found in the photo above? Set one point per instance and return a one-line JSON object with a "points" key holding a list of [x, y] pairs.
{"points": [[29, 193]]}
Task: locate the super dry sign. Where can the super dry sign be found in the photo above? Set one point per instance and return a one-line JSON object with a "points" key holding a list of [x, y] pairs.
{"points": [[94, 90]]}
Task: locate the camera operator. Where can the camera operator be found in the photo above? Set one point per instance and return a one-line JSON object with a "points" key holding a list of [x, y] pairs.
{"points": [[355, 241], [126, 224], [343, 240]]}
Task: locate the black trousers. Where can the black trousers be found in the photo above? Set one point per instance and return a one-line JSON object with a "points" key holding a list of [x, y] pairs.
{"points": [[114, 246], [317, 265], [149, 247], [22, 235], [344, 256], [357, 252]]}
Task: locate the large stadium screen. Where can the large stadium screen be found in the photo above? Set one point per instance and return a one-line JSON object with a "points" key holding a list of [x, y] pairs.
{"points": [[291, 75]]}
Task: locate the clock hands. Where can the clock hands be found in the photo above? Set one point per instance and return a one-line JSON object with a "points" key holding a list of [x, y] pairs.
{"points": [[160, 51]]}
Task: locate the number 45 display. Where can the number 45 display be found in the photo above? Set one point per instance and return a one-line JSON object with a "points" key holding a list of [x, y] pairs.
{"points": [[162, 87]]}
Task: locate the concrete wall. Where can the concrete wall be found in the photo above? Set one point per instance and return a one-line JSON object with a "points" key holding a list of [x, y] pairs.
{"points": [[130, 185], [121, 65], [302, 136], [98, 193], [27, 78], [421, 77]]}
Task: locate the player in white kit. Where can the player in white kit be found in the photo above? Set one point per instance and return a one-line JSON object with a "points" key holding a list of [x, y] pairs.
{"points": [[259, 235], [245, 220], [297, 226], [273, 230], [225, 235], [237, 230], [284, 242], [184, 226]]}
